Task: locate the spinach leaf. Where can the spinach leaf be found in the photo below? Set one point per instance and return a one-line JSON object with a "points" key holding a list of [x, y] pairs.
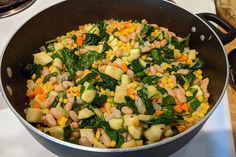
{"points": [[87, 59], [166, 118], [120, 139], [198, 64], [99, 100], [147, 30], [157, 56], [74, 37], [109, 82], [102, 27], [55, 102], [144, 97], [131, 103], [110, 132], [91, 39], [56, 55], [67, 131], [34, 69], [49, 76], [92, 122], [137, 66], [140, 74], [195, 104], [163, 91], [150, 80], [70, 60], [88, 77], [168, 100], [50, 48], [169, 53], [188, 79], [180, 44]]}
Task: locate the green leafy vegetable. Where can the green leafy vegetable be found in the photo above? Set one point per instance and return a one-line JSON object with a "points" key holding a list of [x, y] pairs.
{"points": [[91, 39], [195, 103], [198, 64], [46, 79], [88, 77], [131, 103], [102, 27], [137, 66], [67, 132], [147, 30], [150, 80], [50, 48], [87, 59], [109, 82], [55, 102], [156, 55], [92, 123], [99, 100], [168, 100], [34, 69], [144, 97], [163, 91], [70, 60], [110, 132], [180, 44]]}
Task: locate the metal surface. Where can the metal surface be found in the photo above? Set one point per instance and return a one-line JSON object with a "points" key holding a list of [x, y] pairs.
{"points": [[64, 17], [14, 8]]}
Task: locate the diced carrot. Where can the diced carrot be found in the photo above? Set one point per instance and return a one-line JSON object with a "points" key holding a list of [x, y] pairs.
{"points": [[30, 93], [115, 65], [35, 105], [158, 112], [130, 91], [124, 67], [42, 96], [178, 108], [179, 103], [103, 109], [184, 58], [38, 90], [185, 107], [79, 41]]}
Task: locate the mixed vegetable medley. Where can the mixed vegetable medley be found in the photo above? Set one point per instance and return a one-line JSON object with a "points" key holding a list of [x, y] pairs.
{"points": [[116, 84]]}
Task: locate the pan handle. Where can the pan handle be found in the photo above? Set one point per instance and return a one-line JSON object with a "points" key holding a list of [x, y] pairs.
{"points": [[225, 37]]}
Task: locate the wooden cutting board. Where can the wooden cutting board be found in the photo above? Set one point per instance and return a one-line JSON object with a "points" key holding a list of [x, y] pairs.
{"points": [[226, 9]]}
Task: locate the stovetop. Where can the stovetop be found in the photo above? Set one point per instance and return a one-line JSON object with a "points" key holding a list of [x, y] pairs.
{"points": [[214, 139]]}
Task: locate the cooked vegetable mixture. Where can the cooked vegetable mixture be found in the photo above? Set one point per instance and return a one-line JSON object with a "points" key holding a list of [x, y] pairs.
{"points": [[116, 84]]}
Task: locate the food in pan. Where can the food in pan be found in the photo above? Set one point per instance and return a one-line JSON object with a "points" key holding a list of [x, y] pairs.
{"points": [[116, 84]]}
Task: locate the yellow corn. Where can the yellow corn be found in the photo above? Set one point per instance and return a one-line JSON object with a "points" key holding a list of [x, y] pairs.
{"points": [[112, 93], [144, 57], [98, 133], [107, 106], [113, 143], [199, 77], [186, 86], [169, 80], [62, 121], [139, 142], [65, 101], [94, 65], [171, 85], [199, 72], [60, 99], [172, 47], [200, 98], [46, 111], [188, 93]]}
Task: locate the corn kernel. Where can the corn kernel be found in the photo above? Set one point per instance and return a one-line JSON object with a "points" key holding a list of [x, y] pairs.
{"points": [[33, 77], [51, 68], [46, 111], [75, 94], [188, 93], [65, 101], [112, 93], [60, 99], [199, 71], [144, 57], [199, 77], [201, 115], [113, 143], [170, 80], [171, 85], [172, 47], [94, 65], [107, 106], [95, 140], [109, 100], [62, 121], [200, 98], [98, 133], [186, 86]]}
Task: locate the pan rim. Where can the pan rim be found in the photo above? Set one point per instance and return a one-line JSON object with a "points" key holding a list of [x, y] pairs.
{"points": [[115, 150]]}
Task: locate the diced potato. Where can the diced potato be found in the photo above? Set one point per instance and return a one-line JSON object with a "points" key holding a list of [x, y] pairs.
{"points": [[34, 115], [42, 58], [129, 144], [154, 133]]}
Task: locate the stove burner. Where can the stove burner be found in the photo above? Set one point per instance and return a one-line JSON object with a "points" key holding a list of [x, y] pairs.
{"points": [[11, 7]]}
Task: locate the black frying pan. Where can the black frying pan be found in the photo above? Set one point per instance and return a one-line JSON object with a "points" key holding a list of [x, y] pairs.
{"points": [[66, 16]]}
